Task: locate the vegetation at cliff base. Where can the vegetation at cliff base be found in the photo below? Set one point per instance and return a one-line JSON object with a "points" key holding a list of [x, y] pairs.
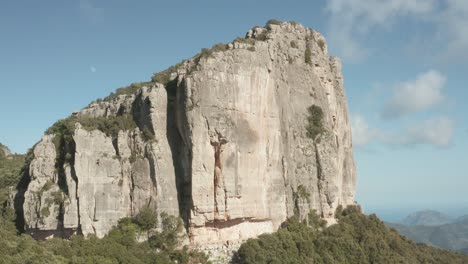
{"points": [[356, 238], [119, 246]]}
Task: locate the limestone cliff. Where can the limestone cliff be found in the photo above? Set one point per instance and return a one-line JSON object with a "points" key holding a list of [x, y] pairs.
{"points": [[221, 140]]}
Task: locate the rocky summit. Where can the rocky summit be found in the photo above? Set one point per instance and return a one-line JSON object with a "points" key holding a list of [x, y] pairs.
{"points": [[234, 141]]}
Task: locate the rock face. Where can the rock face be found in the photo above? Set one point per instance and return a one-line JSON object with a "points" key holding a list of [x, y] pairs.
{"points": [[231, 154]]}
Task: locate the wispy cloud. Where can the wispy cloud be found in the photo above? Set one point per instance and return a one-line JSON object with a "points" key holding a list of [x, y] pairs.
{"points": [[90, 12], [415, 95], [351, 20], [436, 131], [362, 134], [93, 69], [452, 30]]}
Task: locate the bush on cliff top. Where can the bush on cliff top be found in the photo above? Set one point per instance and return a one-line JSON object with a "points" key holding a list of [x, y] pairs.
{"points": [[132, 88], [119, 246], [108, 125]]}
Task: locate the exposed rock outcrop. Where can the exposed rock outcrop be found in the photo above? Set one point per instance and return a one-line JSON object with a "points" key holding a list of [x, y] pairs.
{"points": [[4, 151], [223, 143]]}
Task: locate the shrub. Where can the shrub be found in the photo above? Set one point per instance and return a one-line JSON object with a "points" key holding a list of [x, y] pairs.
{"points": [[321, 44], [207, 53], [47, 186], [302, 193], [167, 239], [219, 47], [148, 135], [45, 212], [315, 121], [263, 36], [162, 77], [109, 125], [147, 218], [250, 41], [132, 88], [294, 23], [274, 22], [293, 44]]}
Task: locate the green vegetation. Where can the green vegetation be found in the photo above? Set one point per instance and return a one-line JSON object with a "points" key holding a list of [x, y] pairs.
{"points": [[119, 246], [263, 36], [168, 238], [308, 56], [321, 44], [65, 145], [356, 238], [302, 193], [294, 23], [109, 125], [250, 41], [148, 135], [163, 77], [208, 53], [10, 169], [315, 121], [293, 44], [274, 22], [132, 88], [147, 218]]}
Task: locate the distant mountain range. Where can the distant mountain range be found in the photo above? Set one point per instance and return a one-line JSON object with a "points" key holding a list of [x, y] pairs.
{"points": [[427, 218], [435, 229]]}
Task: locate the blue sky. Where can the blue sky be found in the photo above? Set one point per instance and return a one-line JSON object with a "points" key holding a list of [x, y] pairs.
{"points": [[405, 65]]}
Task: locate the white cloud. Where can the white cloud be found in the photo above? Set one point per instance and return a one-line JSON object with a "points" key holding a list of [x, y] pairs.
{"points": [[437, 131], [93, 69], [452, 32], [416, 95], [362, 134], [351, 20]]}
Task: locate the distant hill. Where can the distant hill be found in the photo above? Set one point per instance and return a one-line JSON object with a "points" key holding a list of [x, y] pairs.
{"points": [[356, 238], [427, 218], [462, 218], [452, 235]]}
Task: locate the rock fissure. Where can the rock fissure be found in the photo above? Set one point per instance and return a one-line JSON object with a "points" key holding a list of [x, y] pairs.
{"points": [[319, 179]]}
